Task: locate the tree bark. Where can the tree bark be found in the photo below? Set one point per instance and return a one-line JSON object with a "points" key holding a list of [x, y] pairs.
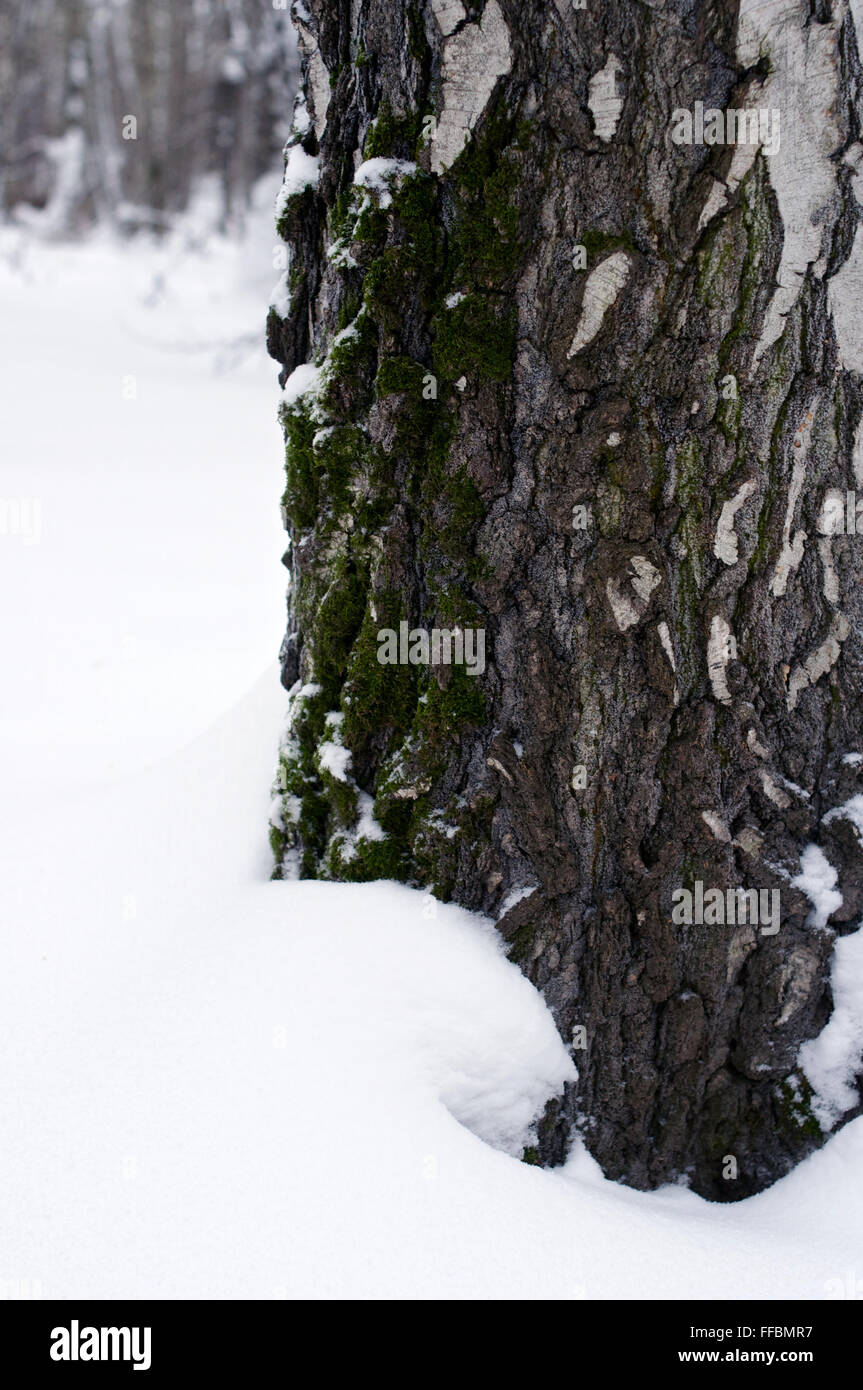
{"points": [[587, 387]]}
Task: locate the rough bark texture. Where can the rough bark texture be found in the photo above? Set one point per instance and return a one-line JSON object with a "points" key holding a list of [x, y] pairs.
{"points": [[692, 640]]}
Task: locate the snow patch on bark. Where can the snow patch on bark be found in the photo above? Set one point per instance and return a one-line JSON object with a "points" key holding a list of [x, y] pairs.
{"points": [[304, 380], [366, 828], [818, 880], [335, 759], [851, 810], [280, 299], [473, 60], [832, 1061], [375, 175], [302, 171], [603, 285]]}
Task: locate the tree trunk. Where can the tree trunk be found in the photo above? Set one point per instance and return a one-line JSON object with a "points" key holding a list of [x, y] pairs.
{"points": [[586, 385]]}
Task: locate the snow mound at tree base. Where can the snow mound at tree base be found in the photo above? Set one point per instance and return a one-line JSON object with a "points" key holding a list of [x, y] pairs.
{"points": [[218, 1086]]}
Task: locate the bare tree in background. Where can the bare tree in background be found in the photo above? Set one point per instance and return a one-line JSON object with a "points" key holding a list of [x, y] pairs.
{"points": [[115, 109]]}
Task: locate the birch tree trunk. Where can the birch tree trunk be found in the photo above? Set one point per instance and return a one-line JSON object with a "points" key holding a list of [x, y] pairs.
{"points": [[572, 349]]}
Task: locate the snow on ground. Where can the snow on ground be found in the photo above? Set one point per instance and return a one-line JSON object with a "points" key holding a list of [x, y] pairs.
{"points": [[213, 1085], [138, 441]]}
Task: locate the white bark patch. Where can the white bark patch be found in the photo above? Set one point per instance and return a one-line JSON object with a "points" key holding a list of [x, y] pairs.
{"points": [[717, 827], [716, 200], [741, 162], [843, 292], [665, 639], [749, 840], [448, 13], [796, 981], [757, 748], [319, 77], [498, 767], [742, 944], [601, 289], [773, 792], [854, 154], [664, 635], [831, 578], [721, 648], [804, 86], [473, 60], [646, 577], [819, 662], [628, 611], [624, 610], [792, 548], [605, 105], [858, 453], [411, 793], [725, 544]]}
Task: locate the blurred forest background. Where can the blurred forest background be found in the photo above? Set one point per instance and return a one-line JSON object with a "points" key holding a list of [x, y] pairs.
{"points": [[207, 84]]}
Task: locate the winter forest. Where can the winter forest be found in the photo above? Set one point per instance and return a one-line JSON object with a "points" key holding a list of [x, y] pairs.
{"points": [[432, 745]]}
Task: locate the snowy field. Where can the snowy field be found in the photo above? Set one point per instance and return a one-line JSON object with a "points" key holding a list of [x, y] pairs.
{"points": [[213, 1085]]}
